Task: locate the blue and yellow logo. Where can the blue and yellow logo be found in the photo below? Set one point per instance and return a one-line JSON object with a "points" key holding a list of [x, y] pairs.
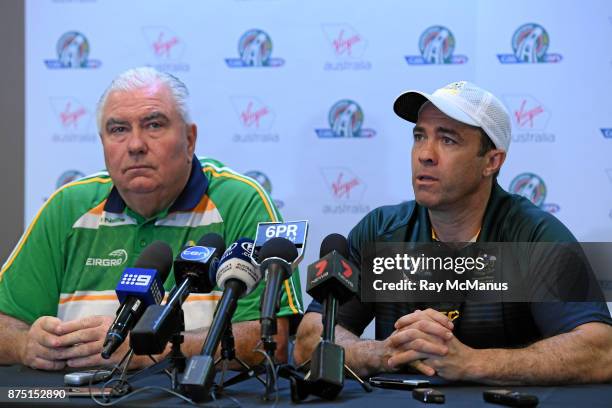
{"points": [[255, 50], [436, 44], [72, 52], [530, 44], [345, 120], [532, 187]]}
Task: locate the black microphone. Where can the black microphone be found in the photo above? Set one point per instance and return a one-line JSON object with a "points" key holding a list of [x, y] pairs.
{"points": [[330, 280], [138, 288], [275, 258], [237, 277], [194, 272]]}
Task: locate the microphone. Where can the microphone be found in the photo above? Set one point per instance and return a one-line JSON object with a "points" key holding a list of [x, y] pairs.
{"points": [[330, 280], [194, 272], [139, 287], [275, 258], [237, 277]]}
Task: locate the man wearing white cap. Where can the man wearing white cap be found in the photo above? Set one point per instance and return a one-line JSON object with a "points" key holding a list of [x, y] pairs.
{"points": [[461, 139]]}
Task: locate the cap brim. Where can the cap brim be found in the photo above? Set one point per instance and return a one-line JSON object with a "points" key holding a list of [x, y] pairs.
{"points": [[408, 104]]}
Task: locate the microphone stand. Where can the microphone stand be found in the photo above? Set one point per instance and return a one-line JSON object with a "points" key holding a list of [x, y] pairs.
{"points": [[175, 360], [228, 353], [304, 385]]}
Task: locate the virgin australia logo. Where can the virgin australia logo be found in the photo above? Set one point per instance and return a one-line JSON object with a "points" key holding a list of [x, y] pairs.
{"points": [[256, 120], [346, 189], [166, 49], [74, 120], [347, 46], [529, 119]]}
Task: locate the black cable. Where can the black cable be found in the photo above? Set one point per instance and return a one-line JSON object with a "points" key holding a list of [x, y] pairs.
{"points": [[270, 373]]}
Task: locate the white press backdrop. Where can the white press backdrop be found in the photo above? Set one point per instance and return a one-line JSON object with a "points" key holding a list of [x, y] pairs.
{"points": [[299, 94]]}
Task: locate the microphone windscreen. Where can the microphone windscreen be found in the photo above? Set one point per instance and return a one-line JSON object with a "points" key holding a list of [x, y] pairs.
{"points": [[236, 264], [334, 242], [212, 240], [158, 256], [278, 248]]}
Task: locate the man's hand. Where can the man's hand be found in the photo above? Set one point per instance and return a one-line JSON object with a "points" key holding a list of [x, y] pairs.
{"points": [[81, 341], [456, 363], [420, 335], [42, 348]]}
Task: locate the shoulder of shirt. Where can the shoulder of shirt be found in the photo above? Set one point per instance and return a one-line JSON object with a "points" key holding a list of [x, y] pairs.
{"points": [[227, 186], [86, 191], [526, 222], [385, 220]]}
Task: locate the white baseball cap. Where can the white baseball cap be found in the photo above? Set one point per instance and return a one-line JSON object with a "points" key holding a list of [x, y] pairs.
{"points": [[464, 102]]}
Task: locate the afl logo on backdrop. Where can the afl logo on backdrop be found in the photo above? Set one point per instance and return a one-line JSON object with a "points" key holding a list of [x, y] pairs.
{"points": [[255, 50], [265, 182], [68, 177], [532, 187], [345, 121], [437, 44], [72, 50], [530, 43]]}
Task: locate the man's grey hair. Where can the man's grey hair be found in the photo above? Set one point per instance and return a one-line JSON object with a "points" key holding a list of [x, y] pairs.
{"points": [[142, 77]]}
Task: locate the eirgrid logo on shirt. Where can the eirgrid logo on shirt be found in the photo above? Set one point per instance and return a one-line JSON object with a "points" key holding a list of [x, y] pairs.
{"points": [[115, 258]]}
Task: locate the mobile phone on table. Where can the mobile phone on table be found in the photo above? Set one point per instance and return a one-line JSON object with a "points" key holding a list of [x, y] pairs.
{"points": [[510, 398], [86, 377], [397, 383], [428, 395]]}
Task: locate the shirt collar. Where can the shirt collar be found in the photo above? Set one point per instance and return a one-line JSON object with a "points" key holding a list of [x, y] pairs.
{"points": [[188, 198]]}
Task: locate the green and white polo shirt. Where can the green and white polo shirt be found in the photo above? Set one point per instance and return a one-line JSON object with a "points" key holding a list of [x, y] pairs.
{"points": [[69, 260]]}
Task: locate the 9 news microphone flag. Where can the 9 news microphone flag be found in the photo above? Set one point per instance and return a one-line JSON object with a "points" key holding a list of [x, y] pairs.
{"points": [[138, 287]]}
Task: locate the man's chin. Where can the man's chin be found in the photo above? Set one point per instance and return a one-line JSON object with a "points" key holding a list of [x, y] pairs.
{"points": [[427, 200], [141, 187]]}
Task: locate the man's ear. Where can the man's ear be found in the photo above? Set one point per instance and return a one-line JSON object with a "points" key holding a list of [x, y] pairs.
{"points": [[495, 159], [192, 136]]}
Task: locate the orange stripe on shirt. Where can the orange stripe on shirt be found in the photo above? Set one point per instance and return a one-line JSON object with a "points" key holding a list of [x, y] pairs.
{"points": [[78, 298]]}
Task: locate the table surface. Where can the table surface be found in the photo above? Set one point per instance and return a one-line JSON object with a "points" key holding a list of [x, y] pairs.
{"points": [[249, 393]]}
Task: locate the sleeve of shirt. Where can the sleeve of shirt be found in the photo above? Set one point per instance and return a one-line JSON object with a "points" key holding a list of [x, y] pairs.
{"points": [[258, 207], [553, 318], [30, 279]]}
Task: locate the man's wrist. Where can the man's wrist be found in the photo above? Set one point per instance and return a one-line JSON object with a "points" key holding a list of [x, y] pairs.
{"points": [[21, 346], [478, 364], [366, 356]]}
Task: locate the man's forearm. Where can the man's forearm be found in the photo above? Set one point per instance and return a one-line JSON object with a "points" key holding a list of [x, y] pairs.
{"points": [[580, 356], [13, 332]]}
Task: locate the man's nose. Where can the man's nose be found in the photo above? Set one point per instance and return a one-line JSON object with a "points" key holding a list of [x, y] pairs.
{"points": [[137, 143], [427, 153]]}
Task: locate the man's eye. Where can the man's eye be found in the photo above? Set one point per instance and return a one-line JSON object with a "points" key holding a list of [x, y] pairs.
{"points": [[154, 125], [418, 137], [118, 129], [448, 141]]}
